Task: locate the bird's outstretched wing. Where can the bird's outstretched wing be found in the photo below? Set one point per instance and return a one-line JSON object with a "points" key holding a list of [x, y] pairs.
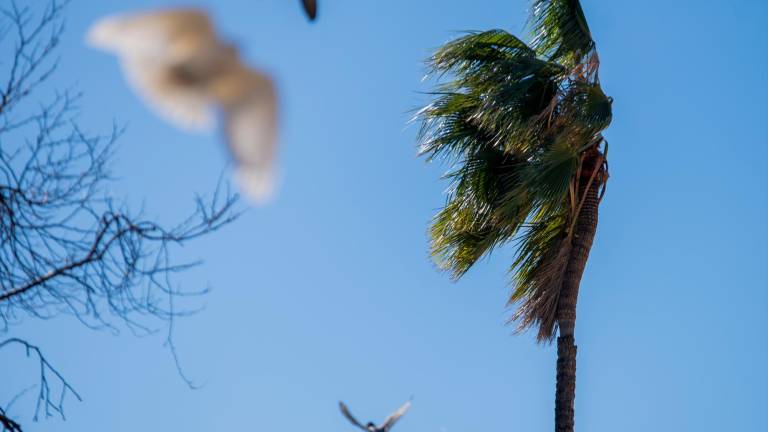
{"points": [[395, 416], [310, 7], [170, 35], [149, 46], [250, 125], [348, 415]]}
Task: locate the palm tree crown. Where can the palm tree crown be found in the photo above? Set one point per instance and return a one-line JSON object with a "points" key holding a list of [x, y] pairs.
{"points": [[520, 127]]}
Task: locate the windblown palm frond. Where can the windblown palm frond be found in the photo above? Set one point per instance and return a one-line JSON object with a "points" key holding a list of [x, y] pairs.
{"points": [[560, 31], [515, 128]]}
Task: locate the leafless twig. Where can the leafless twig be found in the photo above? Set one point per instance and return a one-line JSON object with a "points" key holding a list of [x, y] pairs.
{"points": [[66, 246]]}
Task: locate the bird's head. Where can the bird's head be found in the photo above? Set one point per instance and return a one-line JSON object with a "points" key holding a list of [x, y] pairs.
{"points": [[370, 427]]}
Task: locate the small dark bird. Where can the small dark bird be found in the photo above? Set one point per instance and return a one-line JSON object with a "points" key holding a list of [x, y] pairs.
{"points": [[371, 427], [310, 7]]}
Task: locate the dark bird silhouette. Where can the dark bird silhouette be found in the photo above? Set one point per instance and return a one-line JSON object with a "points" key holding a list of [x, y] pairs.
{"points": [[371, 427], [310, 7]]}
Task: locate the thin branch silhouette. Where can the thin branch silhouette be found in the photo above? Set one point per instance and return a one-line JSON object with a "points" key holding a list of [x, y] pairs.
{"points": [[67, 246]]}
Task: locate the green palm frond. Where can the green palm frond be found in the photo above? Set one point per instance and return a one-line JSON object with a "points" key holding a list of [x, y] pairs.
{"points": [[471, 223], [547, 175], [498, 88], [447, 129], [513, 127], [588, 107], [479, 49], [560, 31]]}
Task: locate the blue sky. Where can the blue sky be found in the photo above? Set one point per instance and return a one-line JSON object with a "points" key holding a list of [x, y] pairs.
{"points": [[328, 293]]}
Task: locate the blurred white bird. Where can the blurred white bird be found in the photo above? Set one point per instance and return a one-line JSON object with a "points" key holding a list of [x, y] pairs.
{"points": [[371, 427], [174, 59]]}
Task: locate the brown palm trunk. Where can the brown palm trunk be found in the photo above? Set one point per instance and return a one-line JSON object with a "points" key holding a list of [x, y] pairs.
{"points": [[583, 234]]}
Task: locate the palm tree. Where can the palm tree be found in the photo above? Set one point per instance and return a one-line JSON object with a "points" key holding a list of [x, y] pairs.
{"points": [[520, 127]]}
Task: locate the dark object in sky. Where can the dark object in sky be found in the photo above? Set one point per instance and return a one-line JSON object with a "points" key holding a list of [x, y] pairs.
{"points": [[370, 427], [310, 7]]}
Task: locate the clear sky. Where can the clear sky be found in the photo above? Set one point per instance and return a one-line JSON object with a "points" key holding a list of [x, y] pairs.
{"points": [[328, 292]]}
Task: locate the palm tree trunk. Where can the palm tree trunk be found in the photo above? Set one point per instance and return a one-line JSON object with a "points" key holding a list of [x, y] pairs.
{"points": [[583, 234]]}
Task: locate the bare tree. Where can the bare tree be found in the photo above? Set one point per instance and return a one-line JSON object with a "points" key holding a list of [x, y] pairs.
{"points": [[66, 246]]}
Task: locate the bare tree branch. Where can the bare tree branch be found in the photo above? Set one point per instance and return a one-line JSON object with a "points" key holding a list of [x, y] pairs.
{"points": [[7, 423], [66, 246], [46, 402]]}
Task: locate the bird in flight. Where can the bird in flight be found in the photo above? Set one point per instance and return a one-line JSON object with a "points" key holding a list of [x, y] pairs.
{"points": [[175, 60], [371, 427], [310, 7]]}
